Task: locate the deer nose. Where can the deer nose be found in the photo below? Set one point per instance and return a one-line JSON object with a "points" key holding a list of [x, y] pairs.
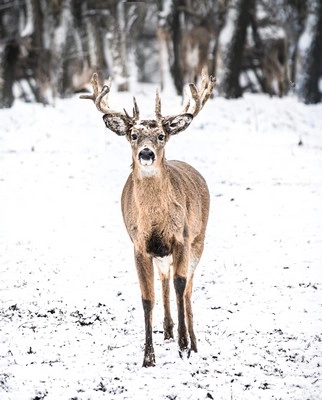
{"points": [[146, 154]]}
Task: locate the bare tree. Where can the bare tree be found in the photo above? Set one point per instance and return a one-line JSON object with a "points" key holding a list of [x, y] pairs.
{"points": [[232, 41], [266, 53], [9, 51], [176, 29], [293, 20], [310, 56]]}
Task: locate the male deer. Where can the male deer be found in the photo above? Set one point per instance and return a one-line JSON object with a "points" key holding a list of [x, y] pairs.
{"points": [[165, 207]]}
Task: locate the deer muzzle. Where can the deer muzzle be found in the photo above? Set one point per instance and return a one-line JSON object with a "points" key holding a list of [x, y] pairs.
{"points": [[146, 156]]}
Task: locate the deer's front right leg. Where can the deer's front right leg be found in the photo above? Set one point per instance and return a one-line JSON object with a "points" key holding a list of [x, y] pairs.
{"points": [[163, 264], [145, 272]]}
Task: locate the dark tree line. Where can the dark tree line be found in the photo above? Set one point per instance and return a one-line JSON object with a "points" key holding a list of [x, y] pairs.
{"points": [[50, 48]]}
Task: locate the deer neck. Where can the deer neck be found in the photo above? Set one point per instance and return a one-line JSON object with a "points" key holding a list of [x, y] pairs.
{"points": [[155, 201], [151, 179], [152, 191]]}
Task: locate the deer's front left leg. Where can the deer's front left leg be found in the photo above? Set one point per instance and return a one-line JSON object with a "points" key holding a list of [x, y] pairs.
{"points": [[144, 268]]}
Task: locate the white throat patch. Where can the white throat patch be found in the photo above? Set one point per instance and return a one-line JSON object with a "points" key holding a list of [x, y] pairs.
{"points": [[148, 170]]}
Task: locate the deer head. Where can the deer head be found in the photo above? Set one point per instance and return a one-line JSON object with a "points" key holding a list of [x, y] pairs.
{"points": [[148, 137]]}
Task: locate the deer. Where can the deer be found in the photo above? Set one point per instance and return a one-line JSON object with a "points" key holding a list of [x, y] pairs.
{"points": [[165, 207], [274, 64], [195, 52]]}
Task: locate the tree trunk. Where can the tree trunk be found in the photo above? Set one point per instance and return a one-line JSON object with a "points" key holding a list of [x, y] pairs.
{"points": [[8, 65], [176, 40], [232, 40], [310, 55], [165, 47], [9, 52]]}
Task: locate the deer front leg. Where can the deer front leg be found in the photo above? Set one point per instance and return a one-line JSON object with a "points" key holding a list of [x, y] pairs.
{"points": [[188, 292], [167, 323], [163, 264], [144, 268]]}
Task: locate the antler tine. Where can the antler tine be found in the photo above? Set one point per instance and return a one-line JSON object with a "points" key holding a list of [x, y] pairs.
{"points": [[126, 113], [98, 96], [158, 106], [136, 112], [195, 105], [196, 99], [101, 104], [207, 91], [186, 98], [94, 83]]}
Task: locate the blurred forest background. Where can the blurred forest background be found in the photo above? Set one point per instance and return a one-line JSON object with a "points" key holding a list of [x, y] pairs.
{"points": [[50, 48]]}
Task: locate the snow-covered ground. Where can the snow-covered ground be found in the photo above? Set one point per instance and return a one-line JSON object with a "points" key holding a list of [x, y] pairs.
{"points": [[71, 324]]}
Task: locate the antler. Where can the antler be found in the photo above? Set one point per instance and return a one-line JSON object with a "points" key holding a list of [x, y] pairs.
{"points": [[196, 99], [102, 104]]}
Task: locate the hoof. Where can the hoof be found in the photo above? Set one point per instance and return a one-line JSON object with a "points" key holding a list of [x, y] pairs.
{"points": [[149, 360], [193, 348], [184, 353], [168, 330], [168, 334]]}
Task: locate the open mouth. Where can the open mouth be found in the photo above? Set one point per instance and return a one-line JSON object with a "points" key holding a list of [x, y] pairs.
{"points": [[146, 157]]}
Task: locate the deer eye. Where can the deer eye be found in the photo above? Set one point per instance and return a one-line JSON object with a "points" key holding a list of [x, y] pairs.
{"points": [[134, 136], [161, 137]]}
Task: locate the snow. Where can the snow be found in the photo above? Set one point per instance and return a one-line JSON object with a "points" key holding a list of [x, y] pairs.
{"points": [[71, 323]]}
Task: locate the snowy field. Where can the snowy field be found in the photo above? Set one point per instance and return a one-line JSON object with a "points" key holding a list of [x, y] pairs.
{"points": [[71, 319]]}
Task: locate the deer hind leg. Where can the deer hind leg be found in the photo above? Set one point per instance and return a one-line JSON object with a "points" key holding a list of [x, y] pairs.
{"points": [[196, 252], [189, 314], [163, 265], [144, 268], [180, 270], [180, 287]]}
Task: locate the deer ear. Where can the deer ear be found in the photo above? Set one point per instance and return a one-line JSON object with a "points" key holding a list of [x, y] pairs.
{"points": [[117, 123], [174, 125]]}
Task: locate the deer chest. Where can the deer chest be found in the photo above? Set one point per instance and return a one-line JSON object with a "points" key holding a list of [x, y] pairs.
{"points": [[157, 245]]}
